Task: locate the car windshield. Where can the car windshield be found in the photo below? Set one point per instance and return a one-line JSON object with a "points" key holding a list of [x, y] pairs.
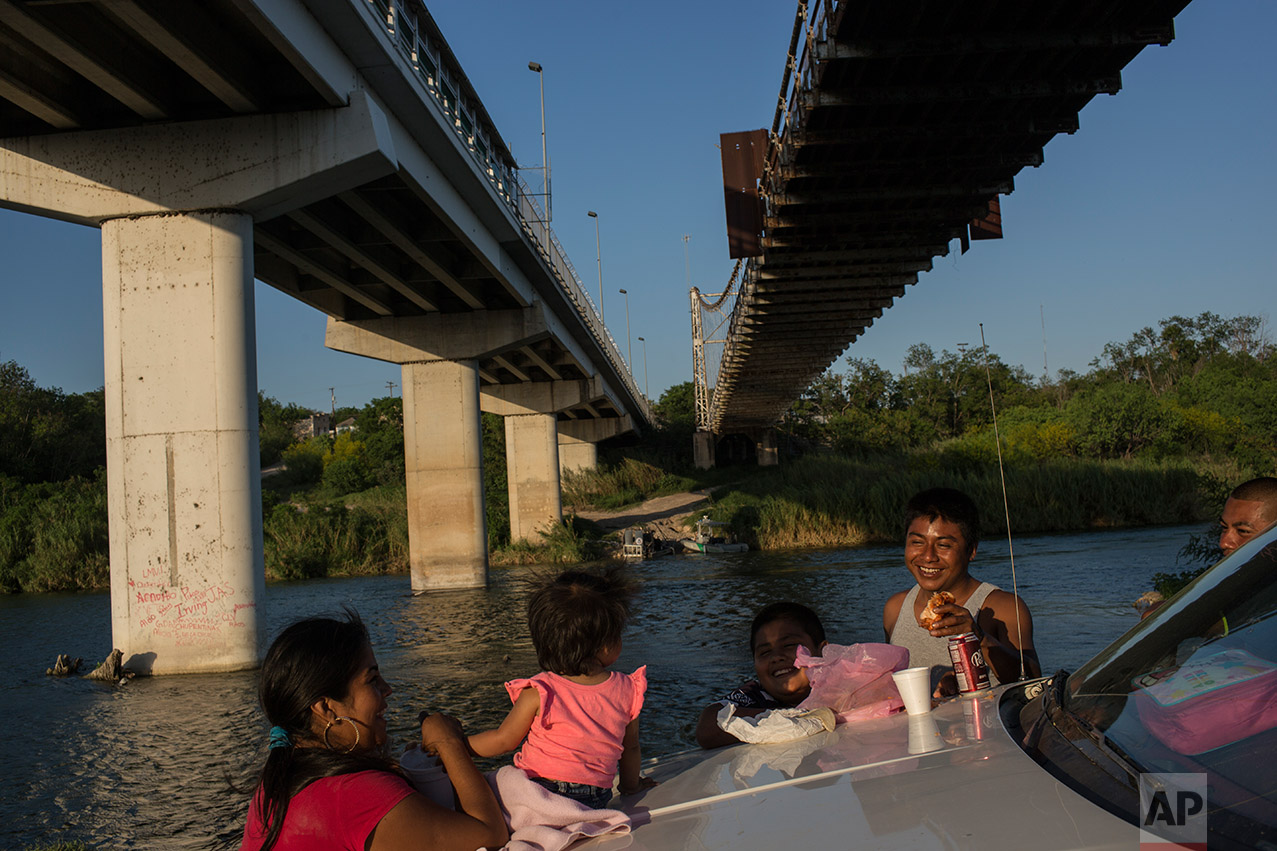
{"points": [[1193, 687]]}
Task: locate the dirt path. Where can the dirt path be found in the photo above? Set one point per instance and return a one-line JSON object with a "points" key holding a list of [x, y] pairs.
{"points": [[659, 515]]}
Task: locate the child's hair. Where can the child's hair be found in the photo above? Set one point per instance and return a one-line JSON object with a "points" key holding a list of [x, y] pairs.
{"points": [[787, 611], [575, 615]]}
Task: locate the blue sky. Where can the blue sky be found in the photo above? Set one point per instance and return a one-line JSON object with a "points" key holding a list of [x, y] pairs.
{"points": [[1161, 204]]}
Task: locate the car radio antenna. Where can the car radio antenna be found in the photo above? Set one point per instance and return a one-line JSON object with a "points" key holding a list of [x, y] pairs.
{"points": [[1006, 506]]}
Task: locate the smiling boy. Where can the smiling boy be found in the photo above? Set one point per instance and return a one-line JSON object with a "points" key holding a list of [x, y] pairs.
{"points": [[777, 632], [942, 531]]}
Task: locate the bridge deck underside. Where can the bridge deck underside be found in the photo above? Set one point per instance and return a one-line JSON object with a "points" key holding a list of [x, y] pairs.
{"points": [[906, 120], [380, 249]]}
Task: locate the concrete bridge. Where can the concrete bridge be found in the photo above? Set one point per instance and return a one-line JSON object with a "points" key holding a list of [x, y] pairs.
{"points": [[335, 150], [898, 127]]}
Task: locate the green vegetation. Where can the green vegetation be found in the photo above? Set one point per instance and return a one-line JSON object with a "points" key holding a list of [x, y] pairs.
{"points": [[1157, 431], [59, 846], [827, 500]]}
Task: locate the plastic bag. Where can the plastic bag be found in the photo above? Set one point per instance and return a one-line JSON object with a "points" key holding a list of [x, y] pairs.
{"points": [[854, 681], [775, 725]]}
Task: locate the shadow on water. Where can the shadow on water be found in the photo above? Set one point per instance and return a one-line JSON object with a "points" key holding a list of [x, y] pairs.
{"points": [[148, 765]]}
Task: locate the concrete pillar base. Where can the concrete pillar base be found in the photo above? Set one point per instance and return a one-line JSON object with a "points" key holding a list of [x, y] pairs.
{"points": [[183, 477], [703, 449], [532, 470], [443, 453], [765, 447]]}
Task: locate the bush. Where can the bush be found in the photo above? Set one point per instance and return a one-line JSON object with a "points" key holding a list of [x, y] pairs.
{"points": [[346, 475], [53, 536], [316, 540], [304, 462]]}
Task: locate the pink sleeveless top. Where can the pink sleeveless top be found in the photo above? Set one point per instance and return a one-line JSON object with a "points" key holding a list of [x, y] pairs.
{"points": [[578, 733]]}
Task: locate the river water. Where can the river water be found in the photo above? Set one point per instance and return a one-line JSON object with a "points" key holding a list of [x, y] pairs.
{"points": [[148, 764]]}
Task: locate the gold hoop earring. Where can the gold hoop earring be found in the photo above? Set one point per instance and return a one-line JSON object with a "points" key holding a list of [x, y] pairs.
{"points": [[329, 725]]}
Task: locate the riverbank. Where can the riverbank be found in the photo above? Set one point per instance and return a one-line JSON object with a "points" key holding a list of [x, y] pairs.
{"points": [[820, 499]]}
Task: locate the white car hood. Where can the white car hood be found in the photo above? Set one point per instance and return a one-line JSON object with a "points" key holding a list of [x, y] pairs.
{"points": [[859, 787]]}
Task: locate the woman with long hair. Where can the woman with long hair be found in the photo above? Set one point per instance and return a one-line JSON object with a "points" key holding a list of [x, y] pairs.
{"points": [[327, 782]]}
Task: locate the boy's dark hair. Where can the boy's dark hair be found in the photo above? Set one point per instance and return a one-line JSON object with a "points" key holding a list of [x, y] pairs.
{"points": [[947, 504], [1262, 489], [575, 615], [787, 611]]}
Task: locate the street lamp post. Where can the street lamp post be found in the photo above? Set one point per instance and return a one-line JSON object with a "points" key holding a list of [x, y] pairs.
{"points": [[646, 393], [598, 250], [629, 347], [535, 67]]}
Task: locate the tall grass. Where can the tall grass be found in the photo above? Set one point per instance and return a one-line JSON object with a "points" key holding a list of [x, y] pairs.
{"points": [[570, 542], [829, 500], [53, 536], [612, 486], [360, 535]]}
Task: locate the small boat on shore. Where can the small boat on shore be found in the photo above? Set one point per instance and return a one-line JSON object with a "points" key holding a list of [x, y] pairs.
{"points": [[706, 542], [638, 545]]}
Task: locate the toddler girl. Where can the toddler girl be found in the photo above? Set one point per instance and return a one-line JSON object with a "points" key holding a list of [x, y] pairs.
{"points": [[579, 718]]}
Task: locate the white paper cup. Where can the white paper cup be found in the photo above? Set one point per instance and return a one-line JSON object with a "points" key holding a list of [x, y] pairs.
{"points": [[427, 776], [924, 735], [914, 685]]}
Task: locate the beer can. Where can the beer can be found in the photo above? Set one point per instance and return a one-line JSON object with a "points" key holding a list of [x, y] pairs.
{"points": [[968, 663]]}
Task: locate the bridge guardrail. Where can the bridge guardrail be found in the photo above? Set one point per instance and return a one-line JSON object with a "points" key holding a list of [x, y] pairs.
{"points": [[810, 26], [401, 24]]}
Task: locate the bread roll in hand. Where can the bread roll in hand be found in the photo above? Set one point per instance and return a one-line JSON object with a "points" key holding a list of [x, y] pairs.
{"points": [[929, 615]]}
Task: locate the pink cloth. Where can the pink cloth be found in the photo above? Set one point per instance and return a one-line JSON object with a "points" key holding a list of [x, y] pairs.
{"points": [[540, 820], [578, 733], [331, 814], [854, 681]]}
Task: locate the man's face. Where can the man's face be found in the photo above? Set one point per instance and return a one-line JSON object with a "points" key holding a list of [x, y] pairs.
{"points": [[775, 646], [1241, 519], [937, 554]]}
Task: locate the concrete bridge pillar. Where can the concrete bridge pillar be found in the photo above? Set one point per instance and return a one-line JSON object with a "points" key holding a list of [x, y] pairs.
{"points": [[443, 437], [183, 474], [765, 448], [532, 470], [175, 202], [703, 449], [443, 455]]}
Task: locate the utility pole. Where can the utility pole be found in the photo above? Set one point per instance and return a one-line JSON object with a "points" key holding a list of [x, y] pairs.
{"points": [[390, 385], [332, 393]]}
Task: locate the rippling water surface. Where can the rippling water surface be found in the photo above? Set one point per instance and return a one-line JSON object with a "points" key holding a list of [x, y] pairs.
{"points": [[148, 765]]}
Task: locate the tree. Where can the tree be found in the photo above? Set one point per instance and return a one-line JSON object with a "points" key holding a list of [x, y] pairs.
{"points": [[677, 406], [47, 435], [1119, 420], [380, 428], [275, 426]]}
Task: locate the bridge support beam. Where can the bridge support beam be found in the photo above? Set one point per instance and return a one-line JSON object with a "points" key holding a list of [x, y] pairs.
{"points": [[532, 471], [443, 459], [183, 477], [579, 440]]}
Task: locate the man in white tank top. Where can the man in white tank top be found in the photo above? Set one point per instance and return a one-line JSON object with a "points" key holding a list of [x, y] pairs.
{"points": [[941, 536]]}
